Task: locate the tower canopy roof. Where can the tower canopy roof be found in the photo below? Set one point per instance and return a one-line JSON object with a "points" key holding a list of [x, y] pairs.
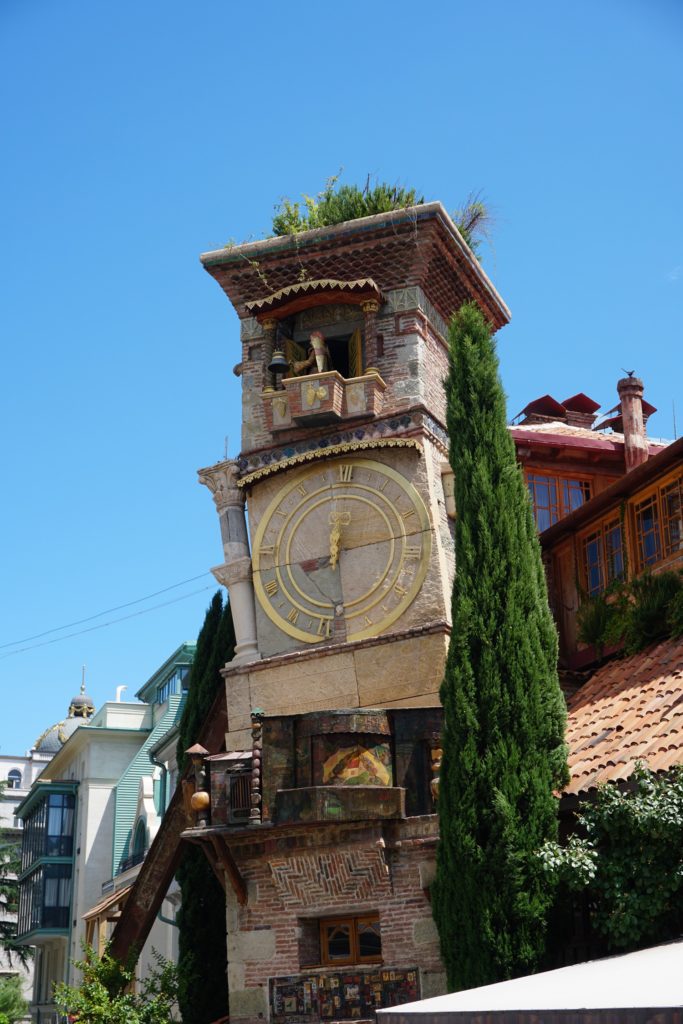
{"points": [[417, 246]]}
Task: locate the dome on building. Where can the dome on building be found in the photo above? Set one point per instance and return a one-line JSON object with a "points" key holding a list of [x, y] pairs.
{"points": [[81, 710]]}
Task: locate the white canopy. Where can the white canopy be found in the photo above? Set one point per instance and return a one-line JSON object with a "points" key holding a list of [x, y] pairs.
{"points": [[648, 978]]}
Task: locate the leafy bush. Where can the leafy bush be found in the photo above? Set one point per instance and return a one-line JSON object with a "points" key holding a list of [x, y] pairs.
{"points": [[593, 619], [674, 616], [630, 861], [334, 205], [648, 608], [102, 996], [652, 596], [13, 1006]]}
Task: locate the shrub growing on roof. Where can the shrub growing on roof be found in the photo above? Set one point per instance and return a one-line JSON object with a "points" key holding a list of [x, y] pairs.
{"points": [[503, 740]]}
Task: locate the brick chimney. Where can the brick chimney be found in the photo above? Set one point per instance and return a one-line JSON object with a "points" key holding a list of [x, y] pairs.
{"points": [[635, 442]]}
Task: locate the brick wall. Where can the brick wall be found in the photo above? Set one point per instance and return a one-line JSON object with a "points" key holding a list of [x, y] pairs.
{"points": [[318, 872], [413, 363]]}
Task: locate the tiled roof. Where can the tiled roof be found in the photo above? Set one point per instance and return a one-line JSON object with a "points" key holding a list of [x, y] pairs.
{"points": [[574, 436], [558, 428], [631, 709]]}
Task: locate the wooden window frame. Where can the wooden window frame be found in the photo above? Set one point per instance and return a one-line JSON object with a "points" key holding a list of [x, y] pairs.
{"points": [[353, 923], [559, 508], [669, 547], [599, 532], [656, 499]]}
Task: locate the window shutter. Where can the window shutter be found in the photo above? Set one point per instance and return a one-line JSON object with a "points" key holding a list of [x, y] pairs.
{"points": [[293, 351]]}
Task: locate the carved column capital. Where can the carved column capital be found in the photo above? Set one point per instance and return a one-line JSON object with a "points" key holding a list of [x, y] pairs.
{"points": [[269, 324], [221, 480], [370, 306], [236, 571]]}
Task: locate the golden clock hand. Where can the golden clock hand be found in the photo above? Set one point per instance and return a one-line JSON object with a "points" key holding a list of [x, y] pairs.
{"points": [[335, 542]]}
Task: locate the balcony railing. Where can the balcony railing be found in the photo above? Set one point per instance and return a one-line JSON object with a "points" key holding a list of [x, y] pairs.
{"points": [[130, 862], [320, 398]]}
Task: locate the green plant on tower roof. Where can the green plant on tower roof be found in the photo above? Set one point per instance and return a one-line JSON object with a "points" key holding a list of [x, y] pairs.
{"points": [[338, 203]]}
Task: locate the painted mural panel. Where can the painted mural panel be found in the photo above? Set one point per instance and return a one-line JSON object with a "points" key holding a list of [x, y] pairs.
{"points": [[346, 995], [351, 760]]}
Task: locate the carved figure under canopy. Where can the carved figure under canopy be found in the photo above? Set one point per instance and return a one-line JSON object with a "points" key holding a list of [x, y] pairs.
{"points": [[318, 358]]}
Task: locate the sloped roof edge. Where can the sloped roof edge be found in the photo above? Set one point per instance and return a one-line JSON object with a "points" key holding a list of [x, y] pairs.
{"points": [[409, 214]]}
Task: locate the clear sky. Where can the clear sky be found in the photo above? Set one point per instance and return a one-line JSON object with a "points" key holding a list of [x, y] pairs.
{"points": [[136, 135]]}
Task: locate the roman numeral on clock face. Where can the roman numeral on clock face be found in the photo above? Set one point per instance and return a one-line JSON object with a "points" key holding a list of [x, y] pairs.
{"points": [[293, 616], [345, 473], [324, 627], [271, 588]]}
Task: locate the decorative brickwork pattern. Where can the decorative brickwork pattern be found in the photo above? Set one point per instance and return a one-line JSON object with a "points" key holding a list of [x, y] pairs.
{"points": [[316, 879]]}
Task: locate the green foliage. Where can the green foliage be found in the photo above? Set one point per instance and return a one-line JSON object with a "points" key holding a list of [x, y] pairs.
{"points": [[201, 918], [474, 221], [638, 613], [336, 204], [593, 618], [13, 1006], [630, 859], [102, 996], [10, 864], [504, 714], [674, 616], [651, 596]]}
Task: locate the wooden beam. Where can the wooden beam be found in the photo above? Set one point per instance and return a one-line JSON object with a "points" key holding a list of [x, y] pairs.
{"points": [[164, 855], [215, 862], [228, 861]]}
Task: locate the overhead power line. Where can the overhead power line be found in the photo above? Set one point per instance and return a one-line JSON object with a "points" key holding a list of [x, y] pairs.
{"points": [[103, 625], [107, 611]]}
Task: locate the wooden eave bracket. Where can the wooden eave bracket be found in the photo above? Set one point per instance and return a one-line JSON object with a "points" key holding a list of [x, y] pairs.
{"points": [[219, 856]]}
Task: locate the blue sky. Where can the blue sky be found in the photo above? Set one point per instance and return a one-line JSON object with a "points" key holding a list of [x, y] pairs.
{"points": [[137, 135]]}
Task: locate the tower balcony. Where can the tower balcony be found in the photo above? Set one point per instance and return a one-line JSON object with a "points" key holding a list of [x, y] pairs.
{"points": [[321, 398]]}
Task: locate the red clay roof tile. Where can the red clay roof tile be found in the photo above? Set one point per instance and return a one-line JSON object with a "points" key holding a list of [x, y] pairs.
{"points": [[629, 710]]}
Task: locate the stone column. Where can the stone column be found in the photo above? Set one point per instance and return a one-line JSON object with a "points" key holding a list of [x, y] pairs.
{"points": [[269, 331], [235, 573], [370, 310], [635, 442]]}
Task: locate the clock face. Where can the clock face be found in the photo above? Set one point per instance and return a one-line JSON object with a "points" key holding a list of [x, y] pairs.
{"points": [[341, 551]]}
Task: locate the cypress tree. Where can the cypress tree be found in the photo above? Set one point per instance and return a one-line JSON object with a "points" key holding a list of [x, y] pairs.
{"points": [[504, 713], [202, 959]]}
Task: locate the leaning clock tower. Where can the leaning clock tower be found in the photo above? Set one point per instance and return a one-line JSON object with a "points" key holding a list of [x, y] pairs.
{"points": [[319, 813], [336, 516]]}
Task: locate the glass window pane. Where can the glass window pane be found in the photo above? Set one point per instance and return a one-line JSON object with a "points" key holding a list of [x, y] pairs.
{"points": [[369, 940], [575, 493], [647, 526], [338, 941], [592, 547], [614, 552], [672, 518]]}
